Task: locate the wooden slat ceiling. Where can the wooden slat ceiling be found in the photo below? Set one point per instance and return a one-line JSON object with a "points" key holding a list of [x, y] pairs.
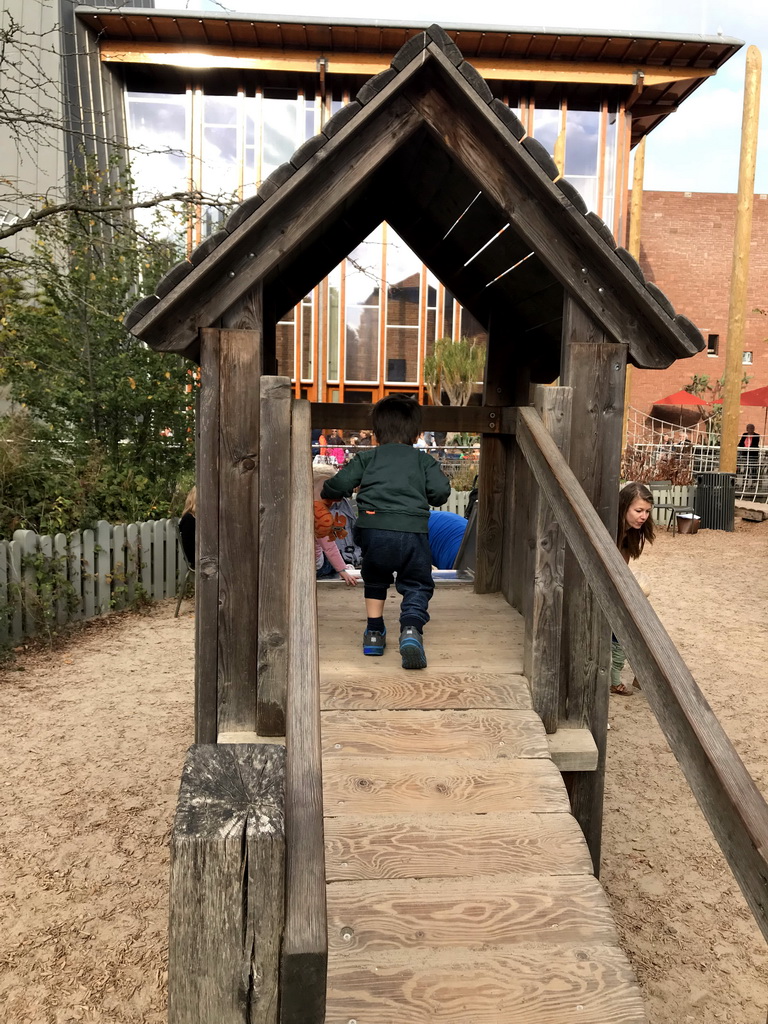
{"points": [[427, 148], [540, 46]]}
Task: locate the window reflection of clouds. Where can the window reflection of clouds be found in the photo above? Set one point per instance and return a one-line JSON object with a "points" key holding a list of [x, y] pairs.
{"points": [[546, 126], [363, 276], [363, 288], [159, 136], [402, 263], [582, 129], [280, 128], [220, 160], [221, 156], [221, 110], [609, 188]]}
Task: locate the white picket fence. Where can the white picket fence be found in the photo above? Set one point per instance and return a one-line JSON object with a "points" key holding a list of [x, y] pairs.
{"points": [[677, 494], [456, 503], [46, 582]]}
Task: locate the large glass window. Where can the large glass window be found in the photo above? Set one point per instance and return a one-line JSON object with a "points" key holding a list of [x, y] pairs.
{"points": [[546, 127], [375, 324], [582, 136], [403, 312], [222, 155], [307, 338], [282, 128], [608, 210], [285, 338], [433, 287], [363, 302], [334, 321], [159, 134]]}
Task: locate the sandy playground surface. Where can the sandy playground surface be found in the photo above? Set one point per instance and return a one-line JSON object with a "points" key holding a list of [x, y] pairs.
{"points": [[95, 733]]}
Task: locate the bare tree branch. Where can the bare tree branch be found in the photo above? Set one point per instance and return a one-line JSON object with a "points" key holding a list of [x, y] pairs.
{"points": [[33, 218]]}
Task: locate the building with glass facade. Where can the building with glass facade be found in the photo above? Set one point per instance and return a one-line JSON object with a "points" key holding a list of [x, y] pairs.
{"points": [[217, 102]]}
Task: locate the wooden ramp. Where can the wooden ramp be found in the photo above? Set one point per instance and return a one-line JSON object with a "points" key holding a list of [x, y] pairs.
{"points": [[460, 889]]}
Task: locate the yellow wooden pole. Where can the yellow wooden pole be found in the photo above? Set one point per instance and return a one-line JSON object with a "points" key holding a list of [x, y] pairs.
{"points": [[559, 152], [740, 265], [635, 217]]}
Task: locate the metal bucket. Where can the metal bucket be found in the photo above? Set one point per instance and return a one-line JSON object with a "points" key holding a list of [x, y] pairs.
{"points": [[688, 523]]}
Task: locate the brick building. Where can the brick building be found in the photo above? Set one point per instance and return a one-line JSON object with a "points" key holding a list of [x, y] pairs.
{"points": [[686, 249]]}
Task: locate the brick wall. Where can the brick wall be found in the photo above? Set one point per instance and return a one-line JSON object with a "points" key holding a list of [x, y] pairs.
{"points": [[686, 249]]}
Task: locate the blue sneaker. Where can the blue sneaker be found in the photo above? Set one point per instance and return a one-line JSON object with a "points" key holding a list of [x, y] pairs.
{"points": [[412, 648], [374, 642]]}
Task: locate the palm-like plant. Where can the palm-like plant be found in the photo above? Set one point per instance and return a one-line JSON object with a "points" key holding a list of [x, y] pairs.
{"points": [[454, 368]]}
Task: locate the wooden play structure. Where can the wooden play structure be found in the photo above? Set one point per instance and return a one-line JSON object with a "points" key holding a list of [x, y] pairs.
{"points": [[354, 844]]}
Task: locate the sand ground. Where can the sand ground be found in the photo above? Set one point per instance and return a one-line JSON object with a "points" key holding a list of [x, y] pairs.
{"points": [[95, 732]]}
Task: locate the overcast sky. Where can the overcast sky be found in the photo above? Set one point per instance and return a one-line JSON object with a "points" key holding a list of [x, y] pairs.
{"points": [[695, 149]]}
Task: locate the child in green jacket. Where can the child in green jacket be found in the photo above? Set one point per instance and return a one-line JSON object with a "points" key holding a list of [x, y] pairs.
{"points": [[397, 484]]}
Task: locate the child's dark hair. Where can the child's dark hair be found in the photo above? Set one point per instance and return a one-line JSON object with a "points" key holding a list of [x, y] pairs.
{"points": [[631, 540], [396, 419]]}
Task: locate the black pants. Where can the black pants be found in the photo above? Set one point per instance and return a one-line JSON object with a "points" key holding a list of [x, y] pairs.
{"points": [[386, 552]]}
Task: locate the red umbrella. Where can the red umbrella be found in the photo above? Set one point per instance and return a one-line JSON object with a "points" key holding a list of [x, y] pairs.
{"points": [[681, 398], [756, 398]]}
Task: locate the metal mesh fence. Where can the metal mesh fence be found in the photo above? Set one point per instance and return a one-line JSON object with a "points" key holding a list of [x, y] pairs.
{"points": [[656, 450]]}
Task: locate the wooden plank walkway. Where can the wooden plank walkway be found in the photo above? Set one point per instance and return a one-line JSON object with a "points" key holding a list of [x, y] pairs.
{"points": [[460, 889]]}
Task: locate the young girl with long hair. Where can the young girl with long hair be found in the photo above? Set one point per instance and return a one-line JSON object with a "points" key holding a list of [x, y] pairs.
{"points": [[635, 530]]}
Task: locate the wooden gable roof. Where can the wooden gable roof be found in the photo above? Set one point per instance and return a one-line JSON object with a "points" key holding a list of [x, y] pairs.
{"points": [[427, 148]]}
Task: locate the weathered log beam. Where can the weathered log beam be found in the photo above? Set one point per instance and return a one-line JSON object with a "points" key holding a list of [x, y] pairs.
{"points": [[472, 419], [227, 886], [544, 608]]}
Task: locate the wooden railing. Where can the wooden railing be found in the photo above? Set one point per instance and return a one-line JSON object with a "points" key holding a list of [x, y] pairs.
{"points": [[731, 803], [305, 941]]}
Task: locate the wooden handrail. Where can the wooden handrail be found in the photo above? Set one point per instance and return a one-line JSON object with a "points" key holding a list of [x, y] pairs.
{"points": [[305, 942], [731, 802]]}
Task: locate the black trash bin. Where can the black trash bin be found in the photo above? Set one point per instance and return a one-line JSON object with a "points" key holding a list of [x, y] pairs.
{"points": [[715, 500]]}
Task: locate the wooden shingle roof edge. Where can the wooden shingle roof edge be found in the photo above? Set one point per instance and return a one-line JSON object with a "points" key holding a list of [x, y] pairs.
{"points": [[169, 319]]}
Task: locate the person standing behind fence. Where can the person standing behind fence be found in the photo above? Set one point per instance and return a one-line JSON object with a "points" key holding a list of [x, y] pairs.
{"points": [[634, 531], [749, 451], [187, 525], [397, 484], [336, 446]]}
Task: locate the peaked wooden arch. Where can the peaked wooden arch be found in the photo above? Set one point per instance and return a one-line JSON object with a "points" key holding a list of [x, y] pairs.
{"points": [[426, 147]]}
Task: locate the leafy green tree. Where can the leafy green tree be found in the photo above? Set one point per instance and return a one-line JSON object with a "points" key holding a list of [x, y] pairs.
{"points": [[118, 413], [701, 384]]}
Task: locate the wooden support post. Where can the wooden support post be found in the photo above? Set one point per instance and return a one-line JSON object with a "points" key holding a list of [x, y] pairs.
{"points": [[491, 497], [595, 370], [305, 943], [240, 369], [274, 554], [518, 509], [499, 387], [207, 541], [509, 567], [633, 246], [543, 621], [227, 886], [518, 482], [740, 264]]}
